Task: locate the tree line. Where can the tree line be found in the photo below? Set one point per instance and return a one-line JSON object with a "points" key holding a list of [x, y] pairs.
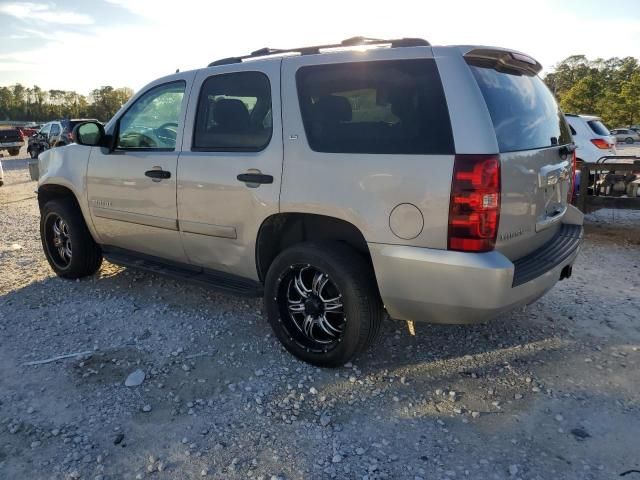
{"points": [[21, 103], [607, 88]]}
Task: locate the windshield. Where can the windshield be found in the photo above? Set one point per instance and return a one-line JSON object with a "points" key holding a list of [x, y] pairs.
{"points": [[524, 113]]}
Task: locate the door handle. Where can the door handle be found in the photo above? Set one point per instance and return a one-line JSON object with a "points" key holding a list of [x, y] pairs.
{"points": [[158, 174], [255, 178]]}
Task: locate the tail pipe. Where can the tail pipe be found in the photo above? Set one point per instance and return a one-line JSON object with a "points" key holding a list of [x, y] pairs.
{"points": [[566, 272]]}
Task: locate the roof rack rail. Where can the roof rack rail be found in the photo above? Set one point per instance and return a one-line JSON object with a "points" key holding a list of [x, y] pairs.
{"points": [[313, 50]]}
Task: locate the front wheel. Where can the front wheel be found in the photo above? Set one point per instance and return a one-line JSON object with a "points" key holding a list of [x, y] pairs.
{"points": [[67, 243], [628, 140], [14, 152], [323, 303]]}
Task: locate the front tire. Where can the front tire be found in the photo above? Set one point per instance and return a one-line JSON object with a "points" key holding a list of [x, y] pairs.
{"points": [[67, 243], [629, 141], [323, 303], [14, 152]]}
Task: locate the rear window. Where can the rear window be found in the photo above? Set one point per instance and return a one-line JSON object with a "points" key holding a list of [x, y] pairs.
{"points": [[524, 113], [598, 127], [382, 107]]}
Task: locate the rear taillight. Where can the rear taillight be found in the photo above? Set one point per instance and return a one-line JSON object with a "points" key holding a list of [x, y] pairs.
{"points": [[600, 143], [474, 208]]}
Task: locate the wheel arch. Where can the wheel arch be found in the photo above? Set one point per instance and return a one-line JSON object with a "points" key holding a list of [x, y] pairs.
{"points": [[52, 191], [282, 230]]}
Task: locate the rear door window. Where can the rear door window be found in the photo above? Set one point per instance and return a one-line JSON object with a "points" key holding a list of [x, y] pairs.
{"points": [[598, 127], [234, 113], [524, 113], [381, 107]]}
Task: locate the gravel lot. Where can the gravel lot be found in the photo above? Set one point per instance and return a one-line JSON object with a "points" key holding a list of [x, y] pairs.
{"points": [[551, 392]]}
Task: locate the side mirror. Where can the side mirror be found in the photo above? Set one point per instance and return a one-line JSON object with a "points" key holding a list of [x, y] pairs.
{"points": [[90, 134]]}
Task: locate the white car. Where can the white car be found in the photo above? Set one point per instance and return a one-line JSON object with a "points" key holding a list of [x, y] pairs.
{"points": [[592, 138], [1, 175]]}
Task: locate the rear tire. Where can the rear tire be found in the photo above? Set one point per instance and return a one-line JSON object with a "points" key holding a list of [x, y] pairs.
{"points": [[14, 151], [67, 243], [628, 140], [339, 313]]}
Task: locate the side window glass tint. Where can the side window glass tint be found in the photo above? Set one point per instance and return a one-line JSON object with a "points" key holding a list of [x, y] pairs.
{"points": [[234, 113], [152, 121], [382, 107], [55, 129]]}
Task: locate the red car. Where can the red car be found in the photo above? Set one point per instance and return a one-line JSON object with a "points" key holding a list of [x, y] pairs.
{"points": [[28, 131]]}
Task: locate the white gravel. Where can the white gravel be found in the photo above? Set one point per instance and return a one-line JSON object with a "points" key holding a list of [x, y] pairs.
{"points": [[549, 392]]}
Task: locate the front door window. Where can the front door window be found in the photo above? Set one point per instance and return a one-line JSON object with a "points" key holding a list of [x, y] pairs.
{"points": [[151, 123]]}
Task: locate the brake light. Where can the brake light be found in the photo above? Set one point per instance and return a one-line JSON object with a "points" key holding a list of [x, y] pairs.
{"points": [[600, 143], [474, 208]]}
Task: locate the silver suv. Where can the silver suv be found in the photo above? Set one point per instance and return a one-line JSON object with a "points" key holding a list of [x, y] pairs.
{"points": [[338, 181], [626, 135]]}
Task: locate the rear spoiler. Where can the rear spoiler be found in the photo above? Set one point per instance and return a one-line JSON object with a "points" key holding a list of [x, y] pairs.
{"points": [[503, 60]]}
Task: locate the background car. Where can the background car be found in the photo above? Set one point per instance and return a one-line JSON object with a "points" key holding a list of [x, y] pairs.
{"points": [[626, 135], [28, 131], [11, 140], [592, 138], [1, 174], [53, 134]]}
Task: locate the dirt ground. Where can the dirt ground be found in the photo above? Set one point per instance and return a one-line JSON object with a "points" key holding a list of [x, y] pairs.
{"points": [[549, 392]]}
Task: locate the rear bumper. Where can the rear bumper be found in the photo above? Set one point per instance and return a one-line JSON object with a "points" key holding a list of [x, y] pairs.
{"points": [[34, 171], [12, 144], [442, 286]]}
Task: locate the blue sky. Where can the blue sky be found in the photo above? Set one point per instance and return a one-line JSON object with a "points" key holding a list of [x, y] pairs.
{"points": [[80, 45]]}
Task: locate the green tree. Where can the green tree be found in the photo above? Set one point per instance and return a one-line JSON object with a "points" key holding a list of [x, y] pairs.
{"points": [[6, 102], [604, 87], [34, 104], [630, 91], [583, 96]]}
